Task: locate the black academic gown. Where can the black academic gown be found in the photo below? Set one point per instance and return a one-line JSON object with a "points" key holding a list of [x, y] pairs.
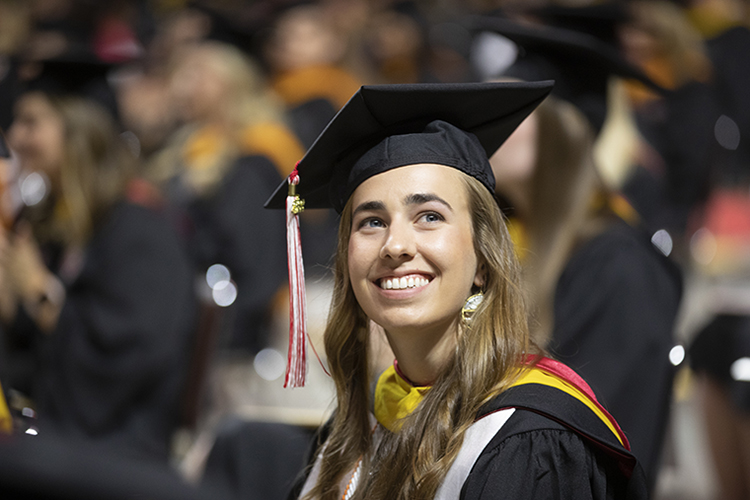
{"points": [[730, 55], [552, 446], [614, 312], [231, 227], [680, 128], [114, 368]]}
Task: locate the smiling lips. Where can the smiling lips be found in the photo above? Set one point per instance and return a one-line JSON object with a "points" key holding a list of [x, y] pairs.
{"points": [[403, 282]]}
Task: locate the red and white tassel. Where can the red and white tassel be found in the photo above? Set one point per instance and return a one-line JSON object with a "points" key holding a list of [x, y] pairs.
{"points": [[296, 368]]}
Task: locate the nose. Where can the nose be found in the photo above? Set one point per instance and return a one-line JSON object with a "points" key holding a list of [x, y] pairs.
{"points": [[400, 242]]}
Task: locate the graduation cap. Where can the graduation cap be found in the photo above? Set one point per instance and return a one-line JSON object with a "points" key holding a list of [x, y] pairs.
{"points": [[580, 63], [75, 72], [600, 20], [383, 127], [459, 124]]}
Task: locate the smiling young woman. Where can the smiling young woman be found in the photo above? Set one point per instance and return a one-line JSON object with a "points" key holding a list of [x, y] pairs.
{"points": [[471, 409]]}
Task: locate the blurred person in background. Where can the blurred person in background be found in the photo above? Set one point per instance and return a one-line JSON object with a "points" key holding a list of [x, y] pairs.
{"points": [[97, 288], [216, 171], [605, 298], [304, 53], [674, 178]]}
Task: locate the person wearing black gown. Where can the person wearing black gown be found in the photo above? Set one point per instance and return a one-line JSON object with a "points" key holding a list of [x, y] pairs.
{"points": [[606, 298], [471, 408], [100, 289]]}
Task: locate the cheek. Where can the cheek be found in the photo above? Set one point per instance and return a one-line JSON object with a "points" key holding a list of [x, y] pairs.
{"points": [[458, 254], [358, 263]]}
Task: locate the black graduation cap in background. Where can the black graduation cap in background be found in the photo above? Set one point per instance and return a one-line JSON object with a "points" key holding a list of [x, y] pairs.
{"points": [[75, 72], [329, 171], [581, 64], [600, 20]]}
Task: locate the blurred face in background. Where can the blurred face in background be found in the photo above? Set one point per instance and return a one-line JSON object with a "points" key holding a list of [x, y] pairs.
{"points": [[515, 162], [303, 37], [37, 135], [197, 86]]}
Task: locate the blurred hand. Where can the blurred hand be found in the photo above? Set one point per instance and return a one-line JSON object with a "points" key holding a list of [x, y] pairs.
{"points": [[26, 280], [25, 271]]}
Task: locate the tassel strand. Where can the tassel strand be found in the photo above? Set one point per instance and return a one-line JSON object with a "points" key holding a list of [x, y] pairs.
{"points": [[296, 370]]}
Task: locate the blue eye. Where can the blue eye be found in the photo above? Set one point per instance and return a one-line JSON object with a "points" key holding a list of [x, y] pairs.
{"points": [[432, 217], [372, 222]]}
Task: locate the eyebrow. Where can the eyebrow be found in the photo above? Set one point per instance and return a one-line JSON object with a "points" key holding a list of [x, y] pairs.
{"points": [[420, 198], [368, 206], [412, 199]]}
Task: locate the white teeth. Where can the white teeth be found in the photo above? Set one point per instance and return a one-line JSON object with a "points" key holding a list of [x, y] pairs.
{"points": [[403, 283]]}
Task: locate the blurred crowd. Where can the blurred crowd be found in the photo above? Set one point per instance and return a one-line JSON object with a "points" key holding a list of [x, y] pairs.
{"points": [[141, 139]]}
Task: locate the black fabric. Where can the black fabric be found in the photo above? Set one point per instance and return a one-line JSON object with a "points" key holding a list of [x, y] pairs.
{"points": [[555, 405], [579, 63], [440, 143], [10, 89], [730, 55], [115, 365], [230, 227], [533, 457], [553, 446], [680, 127], [255, 460], [490, 111], [4, 150], [42, 468], [319, 438], [615, 307], [601, 20], [310, 118]]}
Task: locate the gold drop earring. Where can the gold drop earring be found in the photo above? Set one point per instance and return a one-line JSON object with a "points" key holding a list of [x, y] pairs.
{"points": [[470, 306]]}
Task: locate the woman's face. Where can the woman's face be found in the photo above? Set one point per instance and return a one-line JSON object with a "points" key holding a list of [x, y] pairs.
{"points": [[411, 255], [37, 135]]}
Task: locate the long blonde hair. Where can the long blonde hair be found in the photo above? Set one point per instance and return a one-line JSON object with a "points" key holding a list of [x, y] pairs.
{"points": [[247, 98], [95, 169], [563, 185], [413, 462]]}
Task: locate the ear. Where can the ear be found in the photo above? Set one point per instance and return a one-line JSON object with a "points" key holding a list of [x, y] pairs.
{"points": [[479, 276]]}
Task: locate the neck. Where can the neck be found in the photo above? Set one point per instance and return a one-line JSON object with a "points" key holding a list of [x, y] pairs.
{"points": [[422, 355]]}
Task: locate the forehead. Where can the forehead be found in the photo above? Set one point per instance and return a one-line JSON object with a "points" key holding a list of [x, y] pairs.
{"points": [[398, 183]]}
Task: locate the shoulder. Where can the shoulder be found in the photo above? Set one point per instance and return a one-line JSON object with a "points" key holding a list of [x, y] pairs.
{"points": [[553, 441], [132, 230], [619, 255], [533, 456]]}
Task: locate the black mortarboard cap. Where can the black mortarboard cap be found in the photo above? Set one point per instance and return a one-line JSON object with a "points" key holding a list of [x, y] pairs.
{"points": [[75, 72], [580, 63], [387, 126], [600, 20]]}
